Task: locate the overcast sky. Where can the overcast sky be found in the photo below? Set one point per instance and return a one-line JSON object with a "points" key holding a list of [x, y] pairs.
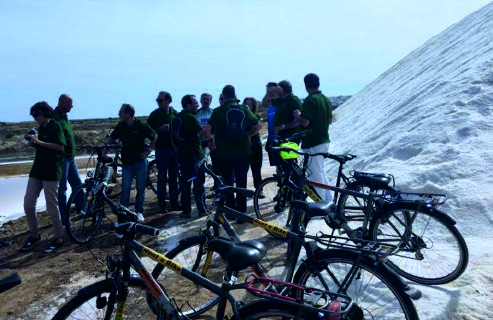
{"points": [[105, 53]]}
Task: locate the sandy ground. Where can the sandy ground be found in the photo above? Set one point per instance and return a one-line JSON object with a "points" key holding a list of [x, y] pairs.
{"points": [[48, 279]]}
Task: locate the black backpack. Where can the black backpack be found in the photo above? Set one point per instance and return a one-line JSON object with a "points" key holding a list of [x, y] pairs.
{"points": [[235, 124], [177, 137]]}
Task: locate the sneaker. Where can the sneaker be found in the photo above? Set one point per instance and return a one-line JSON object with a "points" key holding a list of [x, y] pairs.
{"points": [[54, 246], [202, 214], [140, 217], [29, 244]]}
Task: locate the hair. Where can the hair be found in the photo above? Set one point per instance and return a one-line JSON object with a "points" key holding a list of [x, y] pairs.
{"points": [[127, 108], [254, 103], [271, 84], [186, 100], [167, 96], [312, 81], [286, 86], [206, 95], [229, 92], [64, 100], [42, 108]]}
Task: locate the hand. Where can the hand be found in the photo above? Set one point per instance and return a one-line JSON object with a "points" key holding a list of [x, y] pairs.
{"points": [[165, 127], [34, 139]]}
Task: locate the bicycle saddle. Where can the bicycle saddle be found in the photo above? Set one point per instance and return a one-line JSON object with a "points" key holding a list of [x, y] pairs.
{"points": [[238, 255], [312, 209], [373, 180]]}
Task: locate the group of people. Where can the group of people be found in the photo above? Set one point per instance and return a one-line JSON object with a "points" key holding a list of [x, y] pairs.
{"points": [[229, 133]]}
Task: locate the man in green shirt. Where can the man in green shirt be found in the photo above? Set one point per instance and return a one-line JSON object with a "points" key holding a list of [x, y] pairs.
{"points": [[316, 116], [160, 120], [189, 153], [70, 173], [132, 133], [233, 125], [45, 174], [286, 118]]}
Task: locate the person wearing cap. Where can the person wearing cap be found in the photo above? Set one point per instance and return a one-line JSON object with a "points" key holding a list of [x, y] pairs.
{"points": [[286, 118], [316, 115], [133, 133], [233, 152], [70, 172], [167, 165], [189, 154]]}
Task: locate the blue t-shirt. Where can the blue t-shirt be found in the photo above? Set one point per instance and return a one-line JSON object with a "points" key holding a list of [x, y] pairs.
{"points": [[271, 112]]}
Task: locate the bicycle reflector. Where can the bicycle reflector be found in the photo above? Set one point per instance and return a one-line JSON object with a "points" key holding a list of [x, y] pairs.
{"points": [[288, 155]]}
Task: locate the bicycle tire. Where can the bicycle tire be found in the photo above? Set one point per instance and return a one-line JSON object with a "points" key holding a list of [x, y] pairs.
{"points": [[191, 253], [271, 202], [375, 290], [98, 299], [432, 249], [152, 176], [84, 214], [268, 309]]}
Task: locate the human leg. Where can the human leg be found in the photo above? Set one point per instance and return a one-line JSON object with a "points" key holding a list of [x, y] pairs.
{"points": [[172, 163], [317, 171], [33, 189], [50, 190], [140, 171], [127, 177], [198, 190], [74, 180], [256, 165], [161, 178], [185, 183], [62, 189], [241, 177]]}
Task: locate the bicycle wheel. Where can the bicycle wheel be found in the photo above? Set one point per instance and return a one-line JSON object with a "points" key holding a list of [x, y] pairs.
{"points": [[85, 212], [432, 250], [264, 309], [98, 301], [271, 202], [152, 176], [376, 292], [190, 298]]}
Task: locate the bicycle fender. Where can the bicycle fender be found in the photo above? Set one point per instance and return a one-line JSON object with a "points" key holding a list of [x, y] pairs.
{"points": [[431, 211]]}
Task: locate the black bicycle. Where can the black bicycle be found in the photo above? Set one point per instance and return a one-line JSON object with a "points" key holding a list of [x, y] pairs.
{"points": [[432, 250], [126, 295], [346, 269]]}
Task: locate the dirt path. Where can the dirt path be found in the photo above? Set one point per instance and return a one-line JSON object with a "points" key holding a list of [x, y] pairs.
{"points": [[49, 279]]}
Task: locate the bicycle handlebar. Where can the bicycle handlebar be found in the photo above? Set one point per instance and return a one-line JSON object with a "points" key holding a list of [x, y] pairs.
{"points": [[115, 146], [341, 158], [132, 228]]}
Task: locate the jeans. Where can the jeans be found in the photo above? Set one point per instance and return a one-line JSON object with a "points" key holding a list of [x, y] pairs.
{"points": [[188, 174], [256, 165], [70, 173], [317, 171], [139, 172], [33, 189], [235, 169], [167, 168]]}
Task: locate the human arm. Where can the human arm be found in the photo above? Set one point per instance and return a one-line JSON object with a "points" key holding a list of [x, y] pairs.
{"points": [[50, 145]]}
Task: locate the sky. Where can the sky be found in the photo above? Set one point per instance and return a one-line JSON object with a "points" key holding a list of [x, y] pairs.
{"points": [[105, 53]]}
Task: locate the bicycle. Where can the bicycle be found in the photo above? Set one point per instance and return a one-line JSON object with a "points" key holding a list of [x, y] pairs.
{"points": [[109, 298], [85, 210], [432, 250], [197, 253]]}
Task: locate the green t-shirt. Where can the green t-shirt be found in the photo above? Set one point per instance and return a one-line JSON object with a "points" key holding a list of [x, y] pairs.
{"points": [[47, 163], [156, 119], [190, 147], [132, 138], [284, 114], [318, 109], [62, 119], [226, 148]]}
